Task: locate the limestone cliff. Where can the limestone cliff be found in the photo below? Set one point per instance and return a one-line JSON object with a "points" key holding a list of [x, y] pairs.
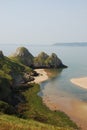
{"points": [[43, 60], [24, 56]]}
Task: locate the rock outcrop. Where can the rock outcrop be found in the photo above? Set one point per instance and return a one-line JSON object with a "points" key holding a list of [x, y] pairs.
{"points": [[24, 56], [43, 60], [40, 60]]}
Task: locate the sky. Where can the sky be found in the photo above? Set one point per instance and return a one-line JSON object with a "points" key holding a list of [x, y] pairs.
{"points": [[43, 21]]}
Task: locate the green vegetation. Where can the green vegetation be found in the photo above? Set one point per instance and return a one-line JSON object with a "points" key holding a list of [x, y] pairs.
{"points": [[18, 61], [35, 115], [36, 110], [8, 66], [48, 61], [13, 123], [4, 88], [9, 70], [6, 108], [21, 100], [41, 59]]}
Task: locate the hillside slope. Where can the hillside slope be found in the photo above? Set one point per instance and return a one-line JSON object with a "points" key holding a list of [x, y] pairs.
{"points": [[14, 123], [19, 98]]}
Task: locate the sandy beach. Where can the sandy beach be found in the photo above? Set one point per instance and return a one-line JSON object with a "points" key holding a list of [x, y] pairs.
{"points": [[75, 109], [42, 76], [58, 103], [81, 82]]}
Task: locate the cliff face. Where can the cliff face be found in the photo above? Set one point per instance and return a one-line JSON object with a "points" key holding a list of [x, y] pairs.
{"points": [[40, 60], [12, 75], [43, 60], [24, 56]]}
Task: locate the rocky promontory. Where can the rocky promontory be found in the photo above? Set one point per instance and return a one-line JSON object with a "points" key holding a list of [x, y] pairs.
{"points": [[23, 55], [43, 60]]}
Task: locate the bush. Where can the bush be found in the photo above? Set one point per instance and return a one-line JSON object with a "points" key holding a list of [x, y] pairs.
{"points": [[6, 108]]}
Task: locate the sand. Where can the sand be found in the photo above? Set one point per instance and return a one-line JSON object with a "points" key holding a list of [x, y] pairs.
{"points": [[78, 113], [75, 109], [81, 82], [42, 76]]}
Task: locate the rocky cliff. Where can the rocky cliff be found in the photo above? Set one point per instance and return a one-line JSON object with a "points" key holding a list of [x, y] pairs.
{"points": [[24, 56], [43, 60], [12, 75]]}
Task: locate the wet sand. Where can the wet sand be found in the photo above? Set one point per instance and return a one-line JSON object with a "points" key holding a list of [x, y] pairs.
{"points": [[75, 109], [81, 82]]}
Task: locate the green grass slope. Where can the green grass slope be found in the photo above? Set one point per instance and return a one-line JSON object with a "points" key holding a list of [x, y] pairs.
{"points": [[9, 66], [34, 109], [9, 70], [13, 123], [34, 115]]}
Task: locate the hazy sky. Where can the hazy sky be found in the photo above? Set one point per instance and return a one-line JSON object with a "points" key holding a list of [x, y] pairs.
{"points": [[43, 21]]}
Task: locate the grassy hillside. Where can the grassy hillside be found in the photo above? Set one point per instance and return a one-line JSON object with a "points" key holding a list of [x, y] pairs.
{"points": [[35, 115], [13, 123], [36, 110], [9, 70], [22, 101], [9, 66]]}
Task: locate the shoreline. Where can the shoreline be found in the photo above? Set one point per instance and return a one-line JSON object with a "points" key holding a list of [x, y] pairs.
{"points": [[50, 101], [43, 76], [72, 108], [81, 82]]}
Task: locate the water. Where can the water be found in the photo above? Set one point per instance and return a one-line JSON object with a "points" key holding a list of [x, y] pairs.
{"points": [[73, 57], [59, 88]]}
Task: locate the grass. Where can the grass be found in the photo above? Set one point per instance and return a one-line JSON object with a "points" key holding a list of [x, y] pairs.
{"points": [[9, 70], [9, 66], [19, 62], [14, 123], [34, 115], [38, 116], [34, 109]]}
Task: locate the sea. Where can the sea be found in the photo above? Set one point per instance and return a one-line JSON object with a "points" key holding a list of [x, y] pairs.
{"points": [[70, 98]]}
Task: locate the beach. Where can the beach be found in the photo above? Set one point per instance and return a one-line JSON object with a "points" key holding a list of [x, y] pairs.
{"points": [[75, 109], [41, 77], [81, 82], [58, 103]]}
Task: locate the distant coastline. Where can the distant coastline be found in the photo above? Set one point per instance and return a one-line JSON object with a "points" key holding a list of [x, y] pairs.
{"points": [[71, 44]]}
